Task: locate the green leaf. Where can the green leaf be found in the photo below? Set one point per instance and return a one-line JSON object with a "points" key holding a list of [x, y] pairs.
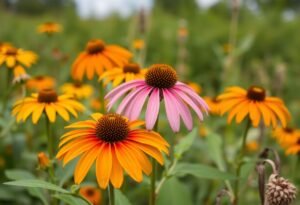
{"points": [[36, 183], [38, 193], [201, 171], [70, 199], [120, 198], [17, 174], [174, 192], [214, 149], [66, 172], [185, 143]]}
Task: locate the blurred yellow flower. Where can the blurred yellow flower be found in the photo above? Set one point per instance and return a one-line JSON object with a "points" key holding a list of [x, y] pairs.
{"points": [[182, 32], [196, 87], [252, 146], [203, 131], [48, 102], [213, 104], [77, 89], [92, 194], [253, 103], [13, 56], [293, 149], [20, 74], [138, 44], [40, 82], [227, 48], [286, 136], [4, 44], [43, 160], [98, 57], [49, 28], [126, 73], [95, 104]]}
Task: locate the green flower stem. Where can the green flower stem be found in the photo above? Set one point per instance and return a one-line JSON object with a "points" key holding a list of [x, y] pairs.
{"points": [[111, 192], [152, 196], [101, 97], [240, 162]]}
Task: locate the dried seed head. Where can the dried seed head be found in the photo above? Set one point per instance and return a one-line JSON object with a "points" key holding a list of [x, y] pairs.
{"points": [[280, 191]]}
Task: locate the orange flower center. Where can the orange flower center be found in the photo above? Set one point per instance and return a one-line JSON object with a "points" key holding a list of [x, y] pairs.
{"points": [[95, 46], [47, 96], [11, 51], [131, 68], [112, 128], [256, 93], [161, 76]]}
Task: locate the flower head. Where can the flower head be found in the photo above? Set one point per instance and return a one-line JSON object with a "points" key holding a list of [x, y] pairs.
{"points": [[50, 103], [213, 104], [254, 103], [92, 194], [280, 191], [138, 44], [160, 84], [252, 146], [43, 160], [13, 56], [115, 144], [20, 74], [128, 72], [98, 57], [196, 87], [294, 148], [78, 90], [286, 136], [49, 28], [40, 82]]}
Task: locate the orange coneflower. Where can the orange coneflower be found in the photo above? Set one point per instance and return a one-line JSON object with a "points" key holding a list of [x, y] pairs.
{"points": [[196, 87], [49, 28], [77, 89], [126, 73], [20, 74], [49, 102], [213, 104], [254, 103], [13, 56], [252, 146], [40, 82], [294, 148], [92, 194], [97, 57], [286, 136], [4, 44], [114, 143]]}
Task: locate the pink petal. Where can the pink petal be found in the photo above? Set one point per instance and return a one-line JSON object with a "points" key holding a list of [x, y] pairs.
{"points": [[116, 93], [126, 101], [183, 109], [138, 102], [172, 112], [183, 87], [190, 102], [152, 109]]}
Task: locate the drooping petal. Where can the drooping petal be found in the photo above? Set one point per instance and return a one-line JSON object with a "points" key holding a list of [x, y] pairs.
{"points": [[152, 109], [138, 103], [125, 102], [172, 112]]}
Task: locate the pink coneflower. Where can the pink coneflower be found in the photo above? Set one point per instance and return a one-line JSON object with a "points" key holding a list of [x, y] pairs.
{"points": [[160, 84]]}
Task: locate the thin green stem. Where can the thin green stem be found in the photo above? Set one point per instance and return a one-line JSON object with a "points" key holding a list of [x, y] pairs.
{"points": [[82, 197], [50, 139], [111, 192], [101, 97], [172, 147], [240, 162]]}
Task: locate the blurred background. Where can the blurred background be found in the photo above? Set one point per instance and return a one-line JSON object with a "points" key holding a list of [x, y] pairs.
{"points": [[214, 43]]}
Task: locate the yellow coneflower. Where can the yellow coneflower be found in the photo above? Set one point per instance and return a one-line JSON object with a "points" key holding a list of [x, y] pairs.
{"points": [[20, 74], [138, 44], [4, 44], [115, 144], [49, 102], [252, 146], [13, 56], [98, 57], [213, 104], [227, 48], [126, 73], [294, 148], [92, 194], [196, 87], [78, 90], [40, 82], [203, 131], [254, 103], [286, 136], [49, 28]]}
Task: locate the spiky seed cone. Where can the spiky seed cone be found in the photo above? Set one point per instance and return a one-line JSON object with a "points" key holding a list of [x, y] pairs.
{"points": [[280, 191]]}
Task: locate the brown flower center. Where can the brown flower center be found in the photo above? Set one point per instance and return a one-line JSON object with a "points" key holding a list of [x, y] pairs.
{"points": [[256, 93], [90, 192], [112, 128], [11, 51], [95, 46], [47, 96], [161, 76], [288, 130], [77, 84], [131, 68]]}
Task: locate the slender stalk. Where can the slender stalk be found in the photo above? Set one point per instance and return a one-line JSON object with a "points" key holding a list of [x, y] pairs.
{"points": [[172, 148], [50, 139], [111, 192], [101, 97], [240, 163], [8, 89]]}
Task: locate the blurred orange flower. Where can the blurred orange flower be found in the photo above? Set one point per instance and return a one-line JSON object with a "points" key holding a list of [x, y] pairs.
{"points": [[40, 82], [20, 74], [43, 160], [213, 104], [77, 89], [138, 44], [92, 194], [286, 136], [49, 28], [252, 146]]}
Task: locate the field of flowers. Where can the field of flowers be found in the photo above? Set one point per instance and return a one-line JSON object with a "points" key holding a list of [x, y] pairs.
{"points": [[162, 107]]}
